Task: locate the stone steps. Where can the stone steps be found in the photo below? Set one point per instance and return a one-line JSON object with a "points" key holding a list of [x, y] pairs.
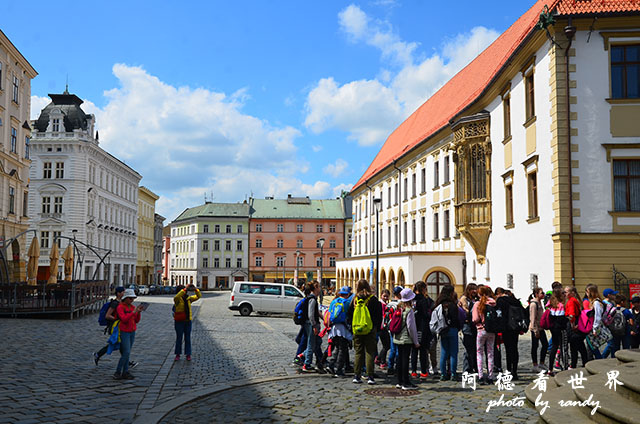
{"points": [[619, 406]]}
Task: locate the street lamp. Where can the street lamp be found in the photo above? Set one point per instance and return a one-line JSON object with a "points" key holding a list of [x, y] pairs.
{"points": [[321, 243], [146, 277], [297, 266], [284, 278], [378, 202]]}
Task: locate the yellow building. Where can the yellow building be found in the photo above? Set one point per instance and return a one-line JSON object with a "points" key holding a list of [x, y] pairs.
{"points": [[146, 210], [16, 74]]}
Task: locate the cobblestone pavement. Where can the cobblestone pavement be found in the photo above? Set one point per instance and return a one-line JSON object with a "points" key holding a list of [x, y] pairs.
{"points": [[49, 375]]}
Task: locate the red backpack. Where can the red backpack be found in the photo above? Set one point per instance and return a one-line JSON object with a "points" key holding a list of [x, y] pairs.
{"points": [[395, 324], [545, 320]]}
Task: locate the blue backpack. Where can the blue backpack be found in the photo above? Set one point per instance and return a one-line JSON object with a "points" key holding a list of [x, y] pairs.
{"points": [[102, 317], [301, 311], [337, 310]]}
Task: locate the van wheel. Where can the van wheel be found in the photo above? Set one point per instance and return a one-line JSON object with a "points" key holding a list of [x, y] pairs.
{"points": [[245, 310]]}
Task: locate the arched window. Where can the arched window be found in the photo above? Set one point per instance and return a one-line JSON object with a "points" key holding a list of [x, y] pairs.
{"points": [[435, 281]]}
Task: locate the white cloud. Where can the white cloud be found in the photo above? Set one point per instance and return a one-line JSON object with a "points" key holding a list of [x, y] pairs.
{"points": [[369, 110], [316, 148], [336, 169], [189, 141]]}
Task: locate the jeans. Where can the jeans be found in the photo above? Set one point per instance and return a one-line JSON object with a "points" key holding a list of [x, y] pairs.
{"points": [[301, 339], [557, 337], [404, 350], [614, 345], [126, 343], [393, 355], [423, 351], [449, 347], [314, 345], [510, 339], [484, 341], [534, 346], [470, 363], [365, 347], [183, 328]]}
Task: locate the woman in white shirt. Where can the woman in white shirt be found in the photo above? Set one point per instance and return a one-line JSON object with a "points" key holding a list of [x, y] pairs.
{"points": [[595, 301]]}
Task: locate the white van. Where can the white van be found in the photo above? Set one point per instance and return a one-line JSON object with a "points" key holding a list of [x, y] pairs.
{"points": [[256, 296]]}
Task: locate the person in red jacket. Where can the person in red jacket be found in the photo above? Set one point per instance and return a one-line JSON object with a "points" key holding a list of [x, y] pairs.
{"points": [[129, 316]]}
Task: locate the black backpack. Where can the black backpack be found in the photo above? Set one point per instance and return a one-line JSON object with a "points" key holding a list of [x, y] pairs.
{"points": [[516, 319], [494, 321]]}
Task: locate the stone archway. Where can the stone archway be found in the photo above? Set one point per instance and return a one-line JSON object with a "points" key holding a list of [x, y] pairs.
{"points": [[392, 278], [383, 279], [401, 278]]}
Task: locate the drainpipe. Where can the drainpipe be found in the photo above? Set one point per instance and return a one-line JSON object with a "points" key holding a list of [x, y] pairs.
{"points": [[570, 32], [399, 206]]}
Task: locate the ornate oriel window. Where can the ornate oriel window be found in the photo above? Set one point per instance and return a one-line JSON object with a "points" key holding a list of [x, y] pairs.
{"points": [[472, 147]]}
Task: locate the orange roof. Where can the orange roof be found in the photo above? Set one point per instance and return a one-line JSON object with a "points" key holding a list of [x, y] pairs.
{"points": [[469, 84], [581, 7]]}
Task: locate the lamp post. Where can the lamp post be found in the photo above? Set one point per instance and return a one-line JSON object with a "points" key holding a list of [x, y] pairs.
{"points": [[284, 278], [297, 267], [321, 243], [146, 277], [378, 202]]}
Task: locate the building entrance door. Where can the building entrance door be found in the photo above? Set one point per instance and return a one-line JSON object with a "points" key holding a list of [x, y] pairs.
{"points": [[205, 282]]}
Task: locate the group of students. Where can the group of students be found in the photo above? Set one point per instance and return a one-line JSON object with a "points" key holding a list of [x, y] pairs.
{"points": [[409, 326], [120, 319]]}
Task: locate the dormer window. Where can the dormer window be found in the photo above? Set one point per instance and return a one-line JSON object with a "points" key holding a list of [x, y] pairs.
{"points": [[56, 125]]}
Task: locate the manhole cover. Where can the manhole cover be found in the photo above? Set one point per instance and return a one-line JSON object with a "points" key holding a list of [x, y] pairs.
{"points": [[391, 392]]}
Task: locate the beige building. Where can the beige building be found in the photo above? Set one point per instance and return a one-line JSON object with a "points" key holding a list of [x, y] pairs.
{"points": [[15, 103], [146, 225]]}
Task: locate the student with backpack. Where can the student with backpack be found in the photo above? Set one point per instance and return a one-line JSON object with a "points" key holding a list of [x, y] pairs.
{"points": [[573, 310], [421, 308], [538, 334], [383, 334], [469, 332], [393, 350], [445, 322], [339, 332], [183, 317], [485, 339], [600, 335], [559, 322], [365, 317], [618, 327], [107, 318], [514, 316], [312, 328], [129, 317], [634, 332], [405, 337]]}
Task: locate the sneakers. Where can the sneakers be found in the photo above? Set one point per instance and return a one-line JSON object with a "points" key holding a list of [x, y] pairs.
{"points": [[444, 377], [96, 357], [117, 376], [339, 374], [308, 368], [536, 369], [188, 357], [320, 368], [331, 369], [371, 381], [177, 358], [406, 388], [127, 376], [414, 374], [424, 375], [356, 380], [398, 386], [132, 364]]}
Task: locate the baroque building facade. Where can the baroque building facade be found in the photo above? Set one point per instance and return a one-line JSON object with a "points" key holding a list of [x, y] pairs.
{"points": [[16, 74], [80, 191], [522, 169], [146, 234], [157, 247]]}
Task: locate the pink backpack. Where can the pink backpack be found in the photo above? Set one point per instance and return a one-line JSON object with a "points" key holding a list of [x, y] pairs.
{"points": [[585, 321], [545, 320]]}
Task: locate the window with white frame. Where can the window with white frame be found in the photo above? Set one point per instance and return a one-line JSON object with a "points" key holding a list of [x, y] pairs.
{"points": [[299, 228], [332, 261], [16, 89], [332, 228], [12, 200], [44, 239], [280, 228], [239, 245], [299, 243], [332, 244], [258, 260], [258, 243], [279, 260], [280, 243], [57, 204], [46, 204]]}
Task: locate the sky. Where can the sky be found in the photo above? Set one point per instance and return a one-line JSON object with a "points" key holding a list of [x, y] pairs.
{"points": [[231, 99]]}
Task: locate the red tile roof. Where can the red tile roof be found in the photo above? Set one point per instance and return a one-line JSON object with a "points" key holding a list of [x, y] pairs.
{"points": [[469, 84], [581, 7]]}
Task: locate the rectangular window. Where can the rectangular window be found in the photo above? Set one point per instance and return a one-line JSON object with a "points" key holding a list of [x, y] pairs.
{"points": [[389, 197], [319, 228], [239, 229], [436, 226], [532, 184], [57, 205], [332, 244], [413, 185], [446, 224], [279, 260], [27, 148], [16, 87], [258, 260], [280, 243], [14, 139], [300, 261], [396, 194], [404, 233], [46, 170], [258, 228], [625, 72], [228, 229], [239, 245], [299, 228], [280, 228], [1, 76], [626, 185], [205, 262], [405, 192], [205, 228], [423, 180], [413, 231], [332, 228], [216, 245], [423, 230], [446, 169], [436, 174], [389, 236], [530, 109], [506, 112], [238, 262], [46, 204], [59, 169], [227, 262], [25, 204], [508, 195], [216, 228], [259, 243], [332, 261], [44, 239], [12, 200], [395, 235], [299, 243], [319, 261], [205, 245], [56, 238], [227, 245]]}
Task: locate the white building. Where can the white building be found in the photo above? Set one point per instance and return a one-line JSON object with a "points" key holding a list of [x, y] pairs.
{"points": [[522, 169], [80, 191]]}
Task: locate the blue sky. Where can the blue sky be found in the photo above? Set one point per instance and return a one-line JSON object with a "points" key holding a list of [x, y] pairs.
{"points": [[248, 97]]}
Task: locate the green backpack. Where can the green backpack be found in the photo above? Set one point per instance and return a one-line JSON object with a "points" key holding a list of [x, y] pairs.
{"points": [[362, 323]]}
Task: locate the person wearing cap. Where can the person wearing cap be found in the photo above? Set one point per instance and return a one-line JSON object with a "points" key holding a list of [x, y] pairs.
{"points": [[609, 296], [110, 317], [406, 339], [634, 323], [129, 316]]}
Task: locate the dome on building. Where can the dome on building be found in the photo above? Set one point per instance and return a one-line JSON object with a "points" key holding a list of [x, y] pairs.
{"points": [[69, 105]]}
